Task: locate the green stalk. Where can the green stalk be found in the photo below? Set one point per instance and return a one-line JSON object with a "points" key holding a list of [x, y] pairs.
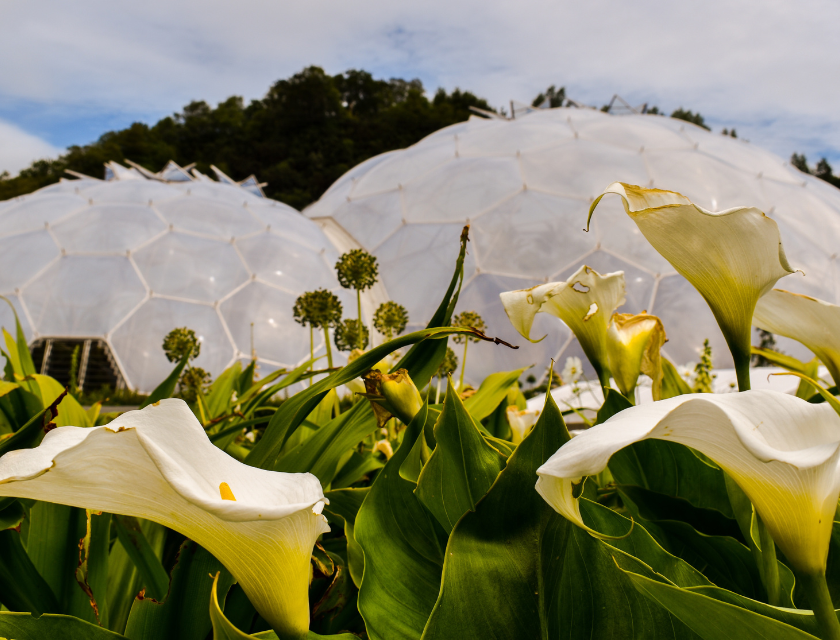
{"points": [[770, 566], [311, 351], [329, 348], [437, 395], [359, 341], [820, 599], [463, 365]]}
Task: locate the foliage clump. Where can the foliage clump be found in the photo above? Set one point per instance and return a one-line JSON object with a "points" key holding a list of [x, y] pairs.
{"points": [[390, 319], [179, 342], [357, 269], [703, 375], [468, 319], [193, 380]]}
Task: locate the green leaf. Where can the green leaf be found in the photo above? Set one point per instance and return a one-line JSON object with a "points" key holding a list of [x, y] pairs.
{"points": [[70, 412], [221, 391], [295, 410], [345, 504], [89, 602], [673, 384], [516, 569], [614, 403], [12, 515], [124, 581], [320, 454], [461, 468], [21, 586], [780, 359], [184, 614], [403, 548], [357, 467], [53, 546], [714, 619], [166, 388], [491, 392], [23, 626], [26, 436], [143, 555]]}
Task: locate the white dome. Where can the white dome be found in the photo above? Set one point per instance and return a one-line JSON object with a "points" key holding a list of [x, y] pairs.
{"points": [[525, 187], [129, 259]]}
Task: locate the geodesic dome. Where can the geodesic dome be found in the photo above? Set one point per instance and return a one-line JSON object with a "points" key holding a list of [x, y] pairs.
{"points": [[525, 187], [128, 259]]}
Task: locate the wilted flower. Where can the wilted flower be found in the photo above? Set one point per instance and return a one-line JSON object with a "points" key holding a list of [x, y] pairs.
{"points": [[585, 302], [633, 346]]}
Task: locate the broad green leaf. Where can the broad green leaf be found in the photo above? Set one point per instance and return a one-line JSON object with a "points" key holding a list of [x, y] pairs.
{"points": [[295, 410], [25, 437], [184, 614], [780, 359], [70, 412], [90, 601], [246, 378], [713, 619], [23, 626], [53, 545], [256, 399], [461, 468], [491, 392], [345, 503], [166, 388], [323, 412], [221, 391], [12, 515], [673, 383], [319, 454], [7, 387], [403, 548], [356, 467], [516, 569], [21, 586], [124, 581], [152, 574]]}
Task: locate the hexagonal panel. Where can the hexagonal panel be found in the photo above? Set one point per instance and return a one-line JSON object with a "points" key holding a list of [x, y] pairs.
{"points": [[277, 336], [512, 137], [287, 222], [140, 192], [531, 235], [558, 169], [193, 268], [24, 256], [461, 189], [416, 265], [646, 133], [205, 216], [405, 168], [83, 296], [138, 342], [37, 210], [7, 316], [286, 264], [111, 228], [385, 208]]}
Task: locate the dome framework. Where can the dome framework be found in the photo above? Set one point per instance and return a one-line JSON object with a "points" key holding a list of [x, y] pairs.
{"points": [[127, 259], [525, 186]]}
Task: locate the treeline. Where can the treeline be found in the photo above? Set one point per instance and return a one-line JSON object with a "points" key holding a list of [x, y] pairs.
{"points": [[303, 135]]}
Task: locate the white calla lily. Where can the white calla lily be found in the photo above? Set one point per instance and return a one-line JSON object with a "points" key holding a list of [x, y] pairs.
{"points": [[633, 346], [813, 322], [521, 422], [731, 257], [782, 451], [585, 302], [158, 464]]}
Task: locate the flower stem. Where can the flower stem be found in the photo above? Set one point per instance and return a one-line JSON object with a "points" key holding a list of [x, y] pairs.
{"points": [[463, 365], [820, 599], [329, 349], [359, 343], [742, 370], [437, 395], [770, 566], [311, 352]]}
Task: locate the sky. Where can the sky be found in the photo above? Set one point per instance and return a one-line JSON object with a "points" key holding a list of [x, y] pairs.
{"points": [[72, 71]]}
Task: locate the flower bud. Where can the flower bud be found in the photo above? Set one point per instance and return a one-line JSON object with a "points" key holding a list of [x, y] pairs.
{"points": [[401, 394]]}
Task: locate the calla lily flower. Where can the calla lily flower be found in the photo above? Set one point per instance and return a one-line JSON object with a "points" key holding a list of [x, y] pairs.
{"points": [[633, 345], [813, 322], [731, 257], [782, 451], [158, 464], [521, 422], [585, 302]]}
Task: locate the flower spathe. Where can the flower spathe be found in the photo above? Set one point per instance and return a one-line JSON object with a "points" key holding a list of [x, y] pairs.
{"points": [[633, 346], [815, 323], [585, 302], [731, 257], [158, 464], [521, 422], [782, 451]]}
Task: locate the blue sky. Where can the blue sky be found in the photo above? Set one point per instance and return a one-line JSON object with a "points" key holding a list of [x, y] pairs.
{"points": [[75, 70]]}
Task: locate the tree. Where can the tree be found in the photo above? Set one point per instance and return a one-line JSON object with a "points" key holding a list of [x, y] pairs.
{"points": [[688, 116], [553, 97], [799, 161]]}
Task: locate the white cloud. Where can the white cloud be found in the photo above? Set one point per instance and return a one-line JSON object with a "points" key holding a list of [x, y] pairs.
{"points": [[18, 149], [768, 67]]}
